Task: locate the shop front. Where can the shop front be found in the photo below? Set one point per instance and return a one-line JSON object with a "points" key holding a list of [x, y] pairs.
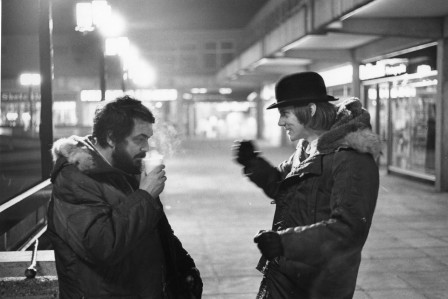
{"points": [[402, 103]]}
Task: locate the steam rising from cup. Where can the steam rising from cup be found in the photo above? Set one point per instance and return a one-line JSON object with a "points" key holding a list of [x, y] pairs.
{"points": [[152, 160]]}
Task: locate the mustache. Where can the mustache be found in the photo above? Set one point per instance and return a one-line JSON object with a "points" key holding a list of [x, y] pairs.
{"points": [[140, 156]]}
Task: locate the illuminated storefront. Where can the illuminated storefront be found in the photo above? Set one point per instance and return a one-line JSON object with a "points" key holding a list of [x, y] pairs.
{"points": [[400, 94], [221, 114], [20, 110]]}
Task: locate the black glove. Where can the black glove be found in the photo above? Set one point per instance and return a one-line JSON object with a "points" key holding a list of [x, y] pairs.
{"points": [[194, 283], [269, 244], [244, 151]]}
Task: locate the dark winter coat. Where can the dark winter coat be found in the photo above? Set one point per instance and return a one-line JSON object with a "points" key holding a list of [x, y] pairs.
{"points": [[324, 208], [111, 239]]}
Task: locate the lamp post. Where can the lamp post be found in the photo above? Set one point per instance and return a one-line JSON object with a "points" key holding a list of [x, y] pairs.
{"points": [[91, 16], [119, 46], [30, 80]]}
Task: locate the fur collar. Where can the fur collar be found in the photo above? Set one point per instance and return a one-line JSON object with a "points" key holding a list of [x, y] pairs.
{"points": [[78, 151], [351, 129]]}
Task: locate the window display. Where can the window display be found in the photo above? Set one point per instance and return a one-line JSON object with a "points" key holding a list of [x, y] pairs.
{"points": [[413, 127], [409, 135]]}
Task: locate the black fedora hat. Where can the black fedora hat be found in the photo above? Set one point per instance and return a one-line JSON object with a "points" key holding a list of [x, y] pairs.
{"points": [[300, 89]]}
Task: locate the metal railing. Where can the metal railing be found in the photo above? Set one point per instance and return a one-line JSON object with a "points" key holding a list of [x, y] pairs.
{"points": [[23, 218]]}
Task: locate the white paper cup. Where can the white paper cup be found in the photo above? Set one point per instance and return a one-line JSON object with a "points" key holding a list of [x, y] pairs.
{"points": [[151, 162]]}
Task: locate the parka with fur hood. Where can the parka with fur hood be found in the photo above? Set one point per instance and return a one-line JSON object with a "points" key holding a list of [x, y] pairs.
{"points": [[324, 209], [111, 239]]}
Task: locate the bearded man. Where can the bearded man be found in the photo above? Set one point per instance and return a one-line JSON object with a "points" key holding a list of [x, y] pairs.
{"points": [[109, 232]]}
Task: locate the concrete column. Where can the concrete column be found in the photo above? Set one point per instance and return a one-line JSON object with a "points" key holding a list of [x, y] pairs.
{"points": [[442, 117], [356, 82], [46, 87], [259, 117], [181, 112], [0, 43], [191, 119], [79, 110]]}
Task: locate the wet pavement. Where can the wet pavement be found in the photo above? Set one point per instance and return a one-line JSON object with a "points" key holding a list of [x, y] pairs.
{"points": [[216, 211]]}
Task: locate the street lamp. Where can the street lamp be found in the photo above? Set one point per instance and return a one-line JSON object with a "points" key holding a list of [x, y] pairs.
{"points": [[133, 66], [139, 71], [92, 15], [119, 46], [97, 16], [30, 80]]}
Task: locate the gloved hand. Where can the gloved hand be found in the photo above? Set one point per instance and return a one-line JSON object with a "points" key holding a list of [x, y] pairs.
{"points": [[269, 244], [194, 283], [244, 151]]}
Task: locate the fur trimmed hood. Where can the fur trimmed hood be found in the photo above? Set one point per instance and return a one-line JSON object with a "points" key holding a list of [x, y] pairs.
{"points": [[78, 151], [351, 129]]}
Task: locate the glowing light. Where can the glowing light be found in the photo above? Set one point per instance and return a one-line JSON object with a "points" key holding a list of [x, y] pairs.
{"points": [[84, 17], [26, 117], [30, 79], [225, 90], [130, 57], [268, 92], [371, 94], [101, 12], [98, 15], [142, 74], [424, 83], [139, 71], [117, 46], [338, 76], [90, 95], [252, 96], [234, 106], [187, 96], [423, 69], [394, 92], [198, 90], [382, 68], [114, 25], [156, 94], [12, 116], [384, 91], [95, 95]]}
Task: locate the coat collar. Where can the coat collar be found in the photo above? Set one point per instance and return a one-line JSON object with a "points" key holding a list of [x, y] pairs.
{"points": [[351, 129], [81, 152], [312, 165]]}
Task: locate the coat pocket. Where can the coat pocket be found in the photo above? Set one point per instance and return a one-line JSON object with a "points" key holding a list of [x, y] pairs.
{"points": [[296, 271]]}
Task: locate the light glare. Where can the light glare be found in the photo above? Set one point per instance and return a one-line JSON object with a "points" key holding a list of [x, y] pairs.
{"points": [[30, 79]]}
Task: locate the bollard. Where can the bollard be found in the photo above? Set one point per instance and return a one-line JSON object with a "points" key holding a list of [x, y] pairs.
{"points": [[31, 271]]}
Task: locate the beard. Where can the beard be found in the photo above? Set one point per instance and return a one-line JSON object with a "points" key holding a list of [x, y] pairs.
{"points": [[123, 161]]}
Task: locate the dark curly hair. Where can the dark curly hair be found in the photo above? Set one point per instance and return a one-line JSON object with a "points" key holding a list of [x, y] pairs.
{"points": [[116, 119]]}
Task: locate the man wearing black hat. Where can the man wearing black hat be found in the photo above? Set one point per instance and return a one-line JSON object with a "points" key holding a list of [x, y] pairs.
{"points": [[325, 193]]}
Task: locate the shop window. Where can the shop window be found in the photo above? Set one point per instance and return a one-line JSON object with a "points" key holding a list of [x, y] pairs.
{"points": [[20, 161], [224, 120], [413, 140], [64, 114], [226, 45], [210, 46]]}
